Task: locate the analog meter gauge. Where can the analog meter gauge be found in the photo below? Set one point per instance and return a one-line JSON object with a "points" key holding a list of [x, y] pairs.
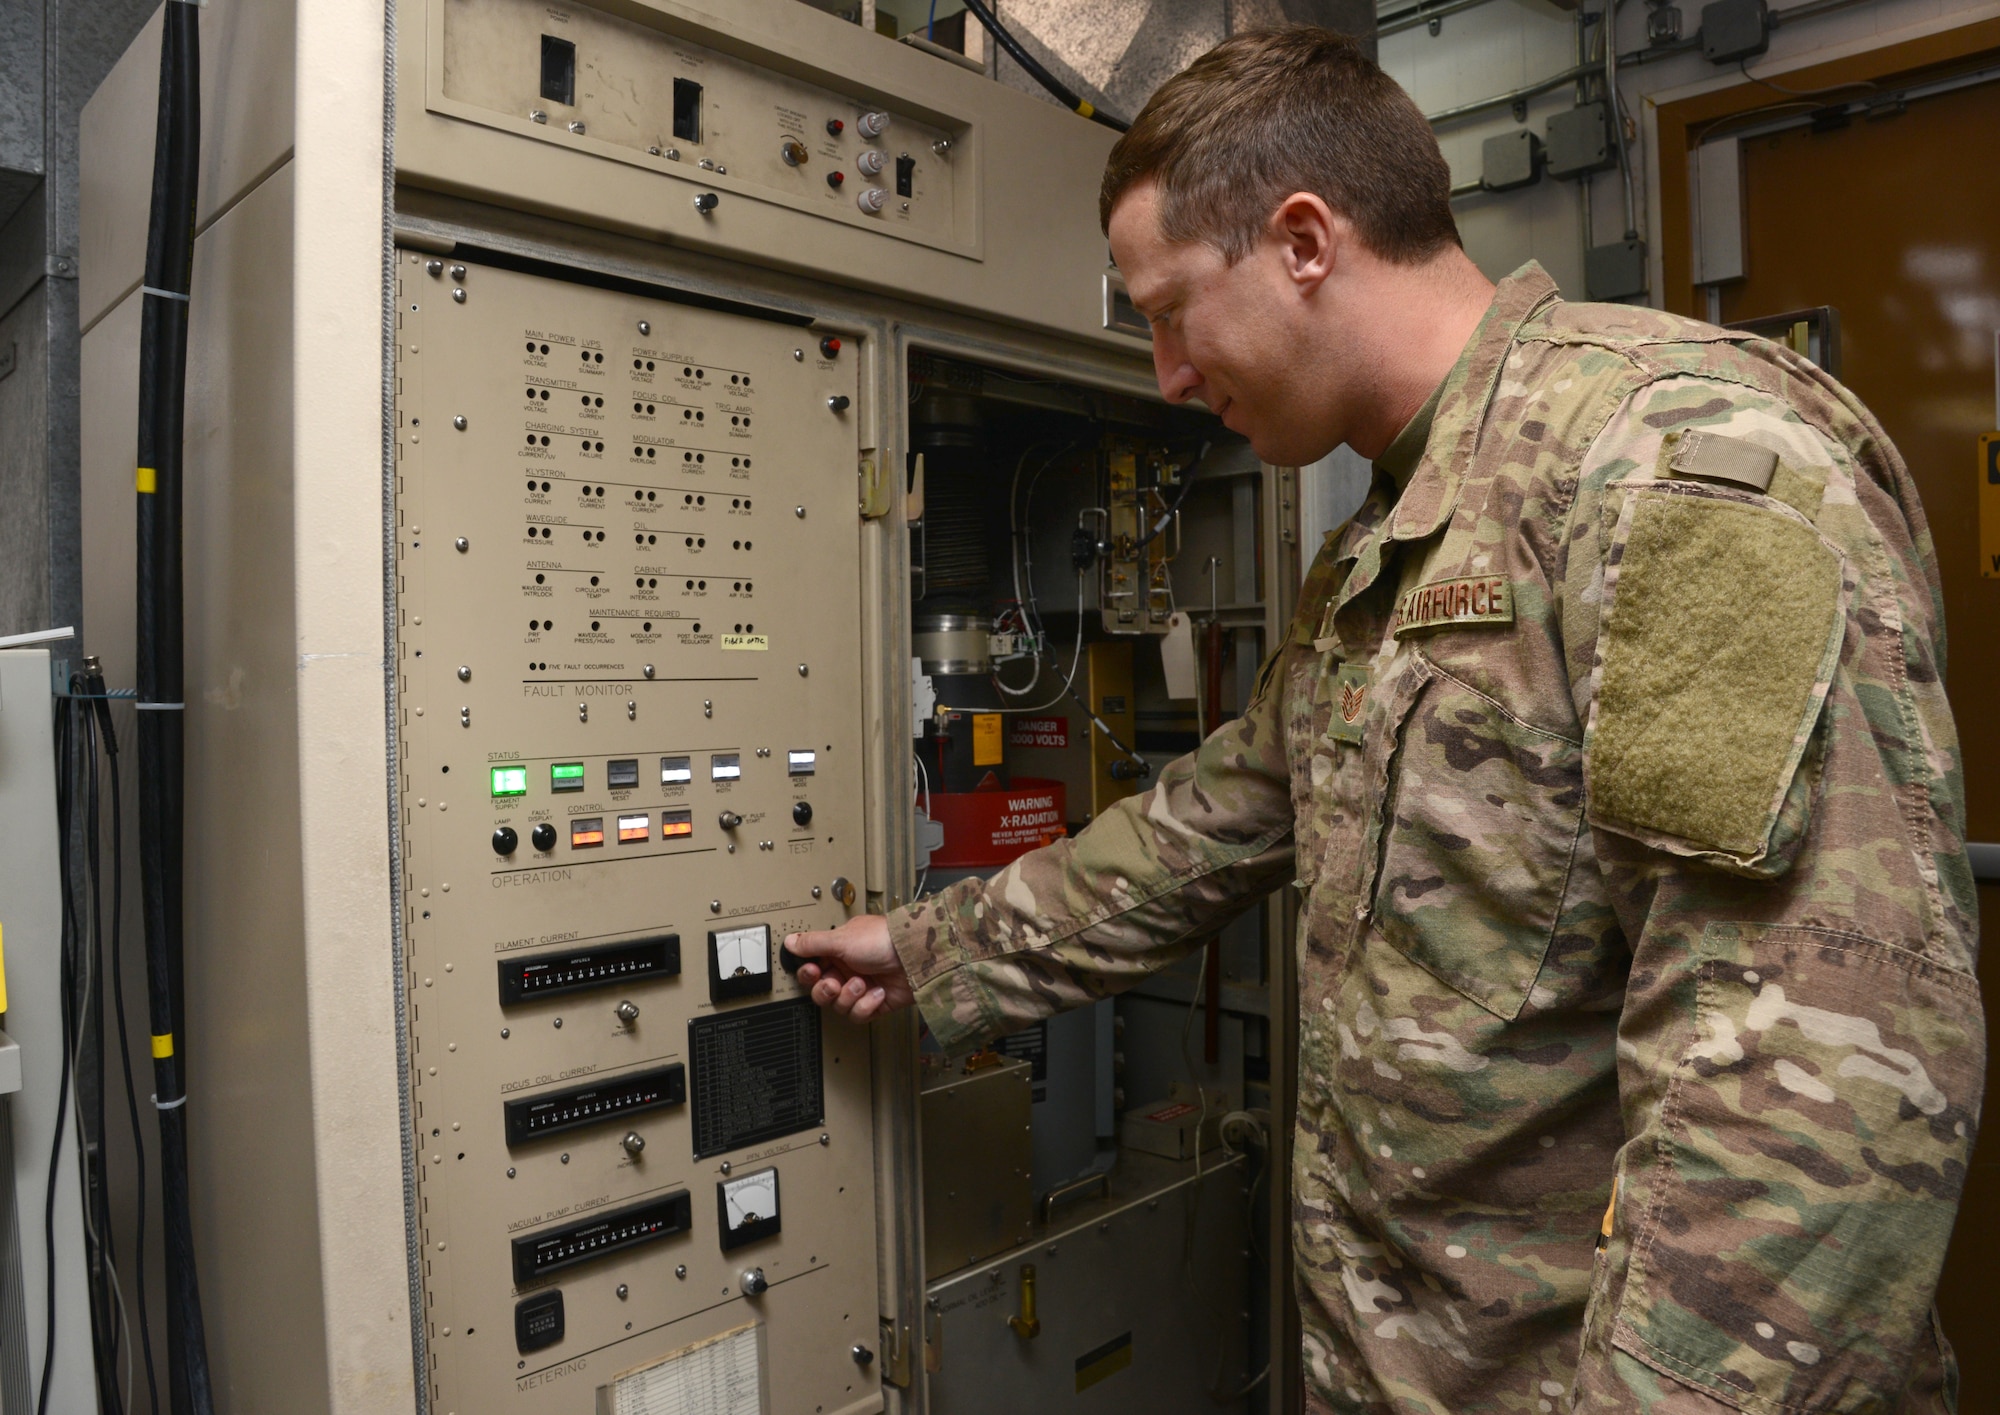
{"points": [[739, 962], [747, 1208]]}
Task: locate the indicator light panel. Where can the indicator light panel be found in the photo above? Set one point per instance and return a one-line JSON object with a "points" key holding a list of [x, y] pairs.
{"points": [[586, 832], [611, 965], [798, 763], [676, 825], [725, 766], [566, 776], [622, 775], [536, 1254], [676, 771], [508, 781], [635, 830]]}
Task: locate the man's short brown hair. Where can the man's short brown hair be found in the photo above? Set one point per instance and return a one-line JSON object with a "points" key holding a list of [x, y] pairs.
{"points": [[1276, 111]]}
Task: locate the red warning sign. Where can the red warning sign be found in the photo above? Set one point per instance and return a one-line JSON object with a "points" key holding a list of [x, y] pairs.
{"points": [[984, 828], [1039, 732]]}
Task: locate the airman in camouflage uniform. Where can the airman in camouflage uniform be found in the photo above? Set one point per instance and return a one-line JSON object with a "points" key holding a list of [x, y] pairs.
{"points": [[1623, 801], [1640, 1054]]}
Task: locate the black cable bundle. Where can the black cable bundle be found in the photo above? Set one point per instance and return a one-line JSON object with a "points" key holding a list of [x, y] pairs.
{"points": [[162, 389], [1037, 70], [83, 722]]}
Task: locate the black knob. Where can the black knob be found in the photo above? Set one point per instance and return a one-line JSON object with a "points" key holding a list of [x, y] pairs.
{"points": [[863, 1356], [803, 813], [707, 202], [838, 402], [544, 836], [504, 840]]}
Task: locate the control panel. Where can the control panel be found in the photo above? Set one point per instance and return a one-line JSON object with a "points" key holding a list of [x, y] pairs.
{"points": [[632, 91], [629, 725]]}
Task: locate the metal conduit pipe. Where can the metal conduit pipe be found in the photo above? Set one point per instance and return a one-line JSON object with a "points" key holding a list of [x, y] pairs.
{"points": [[1411, 16], [1652, 54]]}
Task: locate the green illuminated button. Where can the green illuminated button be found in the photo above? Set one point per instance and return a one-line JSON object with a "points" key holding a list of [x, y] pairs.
{"points": [[566, 776], [510, 780]]}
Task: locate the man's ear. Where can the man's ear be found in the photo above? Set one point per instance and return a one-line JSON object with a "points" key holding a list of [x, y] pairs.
{"points": [[1309, 238]]}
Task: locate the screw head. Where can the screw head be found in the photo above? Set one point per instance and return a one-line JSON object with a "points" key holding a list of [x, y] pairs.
{"points": [[645, 326], [459, 422], [799, 511], [465, 673], [458, 272], [681, 1271], [623, 1292], [434, 267], [458, 295], [715, 907], [462, 544]]}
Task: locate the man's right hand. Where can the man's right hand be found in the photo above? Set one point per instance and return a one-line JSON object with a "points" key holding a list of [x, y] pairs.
{"points": [[853, 969]]}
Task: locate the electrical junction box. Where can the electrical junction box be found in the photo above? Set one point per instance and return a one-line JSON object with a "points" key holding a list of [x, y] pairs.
{"points": [[978, 1199], [1734, 30], [1579, 141], [1178, 1127], [1616, 271], [1510, 160]]}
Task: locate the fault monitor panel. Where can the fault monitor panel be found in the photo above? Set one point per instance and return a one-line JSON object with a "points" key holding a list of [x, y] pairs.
{"points": [[627, 620]]}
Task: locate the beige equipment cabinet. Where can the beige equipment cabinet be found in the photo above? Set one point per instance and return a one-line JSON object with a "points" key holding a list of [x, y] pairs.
{"points": [[548, 659]]}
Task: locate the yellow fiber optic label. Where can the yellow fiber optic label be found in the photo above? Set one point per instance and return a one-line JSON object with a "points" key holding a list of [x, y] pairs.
{"points": [[147, 480], [163, 1045], [3, 975], [987, 739], [756, 643]]}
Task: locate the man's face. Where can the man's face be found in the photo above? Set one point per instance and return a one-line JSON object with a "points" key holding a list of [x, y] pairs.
{"points": [[1226, 335]]}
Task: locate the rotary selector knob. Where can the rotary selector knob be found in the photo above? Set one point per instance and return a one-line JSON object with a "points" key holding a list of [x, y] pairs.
{"points": [[543, 836], [628, 1012], [634, 1143], [802, 812], [505, 841], [754, 1282]]}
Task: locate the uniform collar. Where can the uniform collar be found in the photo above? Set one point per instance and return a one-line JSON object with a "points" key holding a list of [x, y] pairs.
{"points": [[1431, 493], [1399, 459]]}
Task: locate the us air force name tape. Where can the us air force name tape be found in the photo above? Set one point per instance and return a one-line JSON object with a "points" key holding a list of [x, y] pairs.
{"points": [[1478, 599]]}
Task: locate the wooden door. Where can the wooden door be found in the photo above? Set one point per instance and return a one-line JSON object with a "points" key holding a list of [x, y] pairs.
{"points": [[1895, 222]]}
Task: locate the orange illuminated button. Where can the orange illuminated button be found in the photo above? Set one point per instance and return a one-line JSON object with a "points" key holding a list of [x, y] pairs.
{"points": [[676, 823], [634, 829], [585, 832]]}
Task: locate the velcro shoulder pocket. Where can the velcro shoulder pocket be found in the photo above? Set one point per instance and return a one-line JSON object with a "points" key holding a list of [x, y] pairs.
{"points": [[1724, 613]]}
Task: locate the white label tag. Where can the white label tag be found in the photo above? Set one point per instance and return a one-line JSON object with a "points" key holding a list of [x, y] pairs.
{"points": [[1177, 657]]}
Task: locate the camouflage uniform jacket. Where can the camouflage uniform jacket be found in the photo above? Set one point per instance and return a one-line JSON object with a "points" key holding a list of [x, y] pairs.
{"points": [[1613, 764]]}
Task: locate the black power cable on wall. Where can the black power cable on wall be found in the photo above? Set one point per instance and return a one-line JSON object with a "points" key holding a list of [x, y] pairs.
{"points": [[1038, 71], [162, 391]]}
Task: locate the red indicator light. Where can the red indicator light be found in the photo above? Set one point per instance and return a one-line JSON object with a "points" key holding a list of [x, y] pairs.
{"points": [[830, 347], [834, 179], [834, 127]]}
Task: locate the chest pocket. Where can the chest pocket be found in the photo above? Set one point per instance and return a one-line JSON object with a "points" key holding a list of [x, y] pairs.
{"points": [[1479, 833]]}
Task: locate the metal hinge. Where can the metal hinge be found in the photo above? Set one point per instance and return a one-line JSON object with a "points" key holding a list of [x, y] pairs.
{"points": [[876, 493], [895, 1345], [1288, 505]]}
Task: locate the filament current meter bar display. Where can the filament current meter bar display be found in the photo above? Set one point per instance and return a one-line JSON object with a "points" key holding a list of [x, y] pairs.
{"points": [[555, 974]]}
